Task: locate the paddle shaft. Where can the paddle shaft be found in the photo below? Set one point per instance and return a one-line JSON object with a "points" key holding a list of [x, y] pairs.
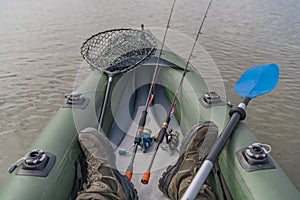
{"points": [[207, 165]]}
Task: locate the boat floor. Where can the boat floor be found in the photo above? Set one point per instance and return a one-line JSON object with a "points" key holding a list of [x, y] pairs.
{"points": [[142, 160], [156, 116]]}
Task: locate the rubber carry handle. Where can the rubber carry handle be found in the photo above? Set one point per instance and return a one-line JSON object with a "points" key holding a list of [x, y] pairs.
{"points": [[12, 168], [146, 178]]}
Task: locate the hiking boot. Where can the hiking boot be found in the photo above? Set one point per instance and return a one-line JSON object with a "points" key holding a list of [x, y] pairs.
{"points": [[176, 179], [103, 179]]}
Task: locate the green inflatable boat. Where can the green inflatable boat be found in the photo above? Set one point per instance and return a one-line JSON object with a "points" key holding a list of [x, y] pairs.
{"points": [[135, 86]]}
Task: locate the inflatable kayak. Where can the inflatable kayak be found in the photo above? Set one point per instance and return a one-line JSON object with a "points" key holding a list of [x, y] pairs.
{"points": [[112, 99]]}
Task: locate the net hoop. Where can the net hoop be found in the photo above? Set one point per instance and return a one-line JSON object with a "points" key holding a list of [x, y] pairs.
{"points": [[118, 49]]}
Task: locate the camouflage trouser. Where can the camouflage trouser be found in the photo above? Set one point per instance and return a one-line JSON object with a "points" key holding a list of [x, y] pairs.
{"points": [[94, 194], [103, 182], [98, 193], [106, 183]]}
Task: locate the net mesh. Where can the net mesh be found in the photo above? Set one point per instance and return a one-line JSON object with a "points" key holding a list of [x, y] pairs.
{"points": [[118, 49]]}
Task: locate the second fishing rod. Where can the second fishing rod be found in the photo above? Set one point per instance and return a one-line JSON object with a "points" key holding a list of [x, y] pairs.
{"points": [[163, 131], [143, 117]]}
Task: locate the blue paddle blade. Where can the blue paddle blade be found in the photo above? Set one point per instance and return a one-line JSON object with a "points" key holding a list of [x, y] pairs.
{"points": [[257, 81]]}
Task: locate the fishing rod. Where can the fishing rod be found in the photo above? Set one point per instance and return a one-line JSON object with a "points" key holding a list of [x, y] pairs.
{"points": [[150, 96], [163, 130]]}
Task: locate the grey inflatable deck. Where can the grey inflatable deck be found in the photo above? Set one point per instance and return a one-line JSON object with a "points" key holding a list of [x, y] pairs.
{"points": [[123, 138]]}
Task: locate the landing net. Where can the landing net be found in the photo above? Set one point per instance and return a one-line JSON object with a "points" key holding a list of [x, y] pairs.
{"points": [[118, 49]]}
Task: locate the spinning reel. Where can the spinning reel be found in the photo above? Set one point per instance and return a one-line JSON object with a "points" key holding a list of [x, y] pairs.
{"points": [[145, 141], [172, 142]]}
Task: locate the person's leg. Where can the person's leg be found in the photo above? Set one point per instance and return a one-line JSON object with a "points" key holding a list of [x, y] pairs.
{"points": [[104, 182], [176, 179]]}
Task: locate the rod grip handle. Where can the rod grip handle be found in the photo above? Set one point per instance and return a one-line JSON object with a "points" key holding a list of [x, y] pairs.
{"points": [[161, 134], [129, 175], [142, 121], [146, 178]]}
